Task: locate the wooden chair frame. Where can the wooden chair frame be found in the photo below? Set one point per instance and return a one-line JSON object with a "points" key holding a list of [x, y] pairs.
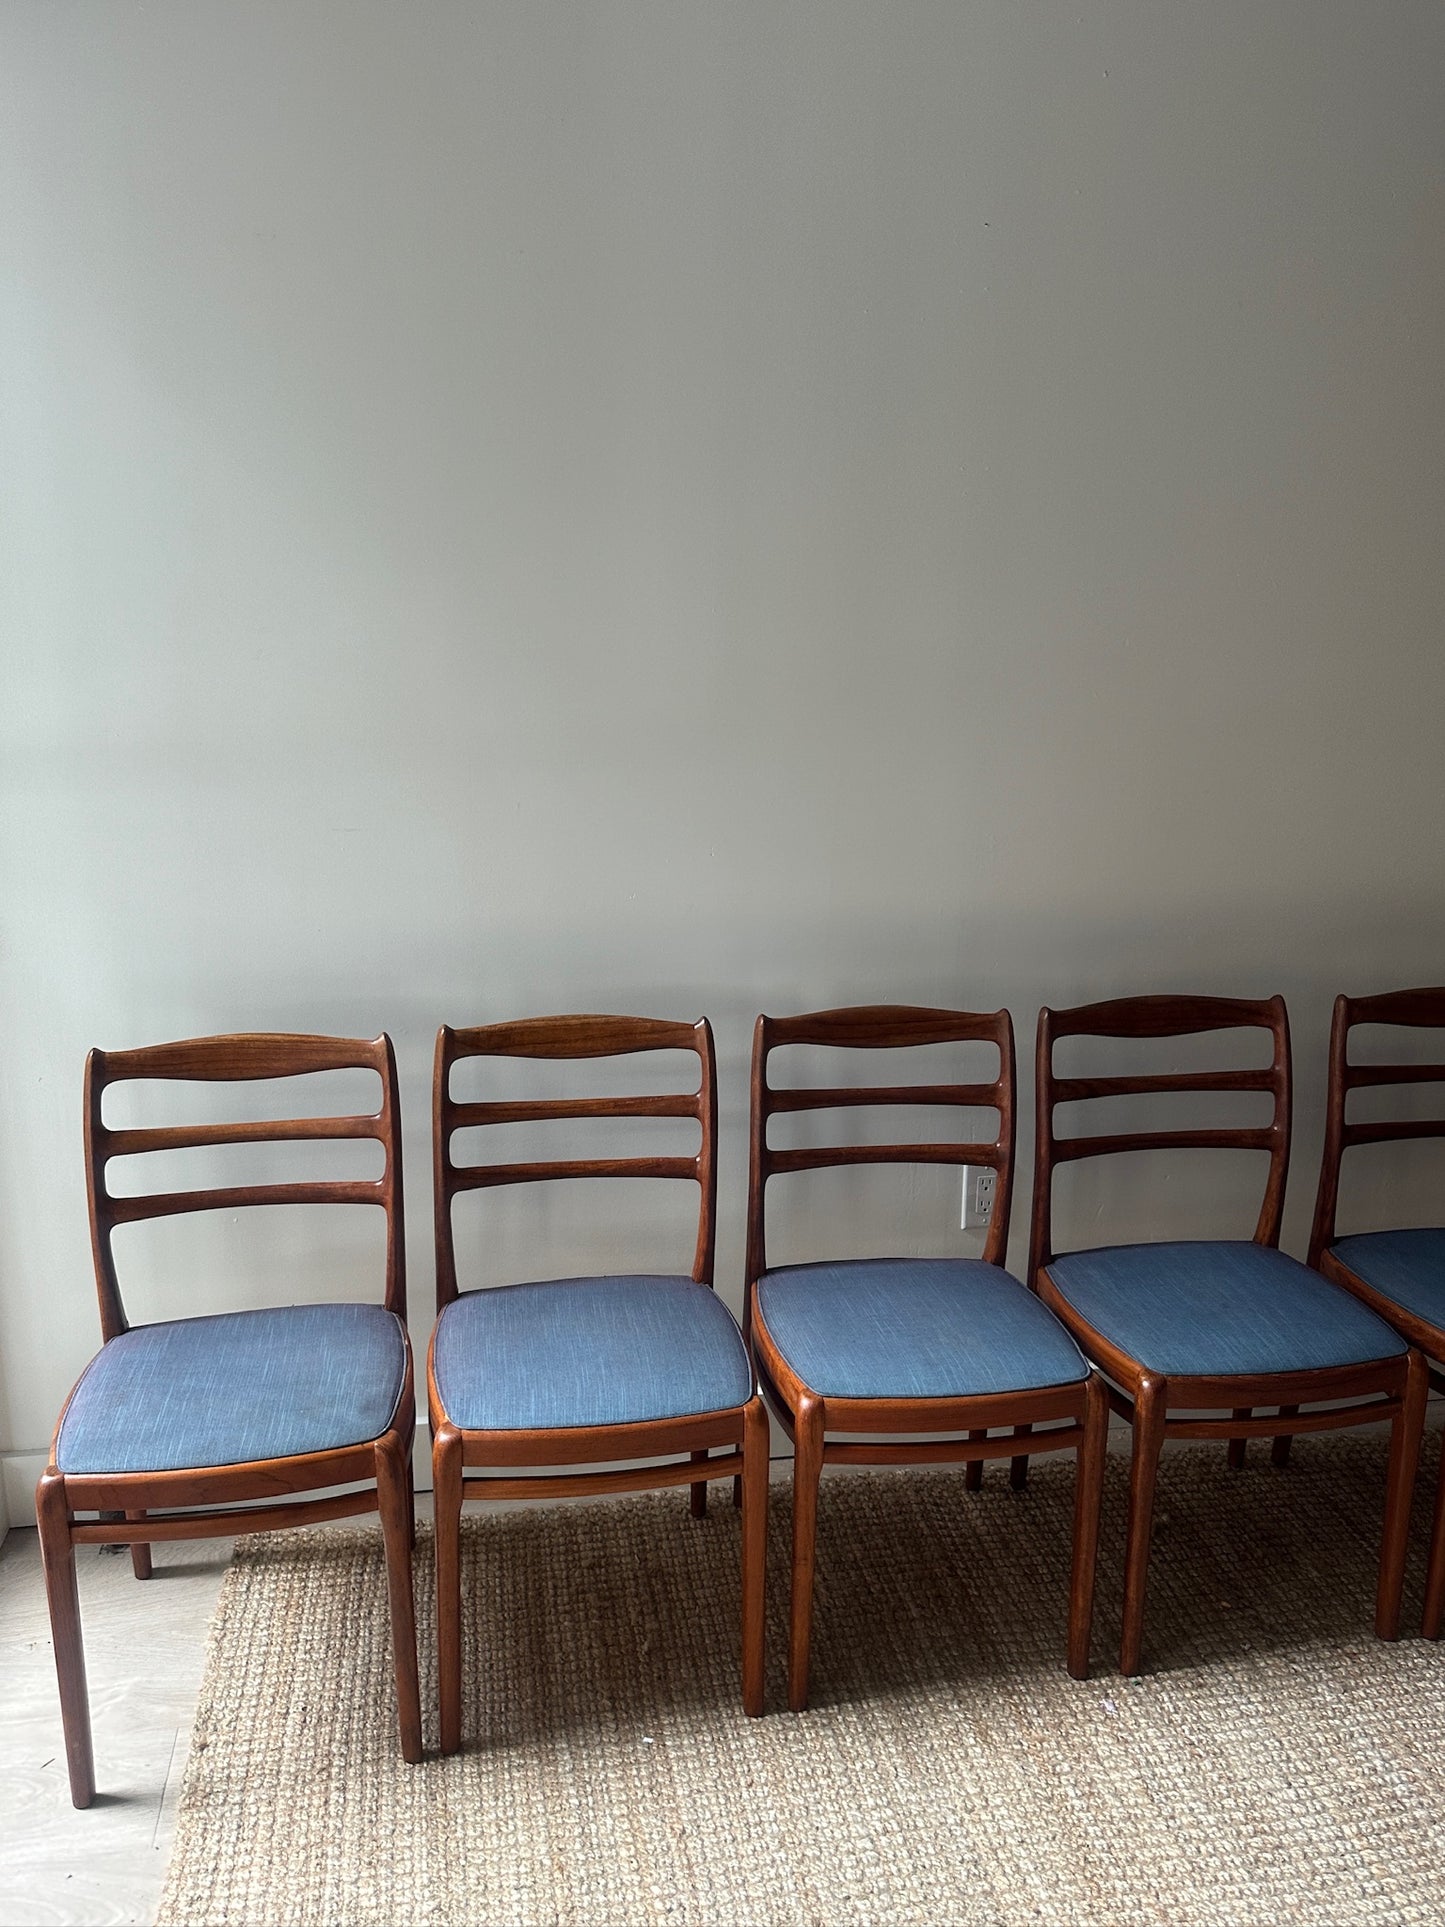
{"points": [[1392, 1389], [729, 1443], [1076, 1415], [139, 1508], [1415, 1009]]}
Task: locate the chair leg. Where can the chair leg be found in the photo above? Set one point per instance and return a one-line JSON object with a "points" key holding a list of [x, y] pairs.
{"points": [[1018, 1469], [1088, 1498], [738, 1493], [410, 1502], [1279, 1449], [393, 1492], [807, 1468], [140, 1555], [755, 1551], [973, 1471], [1237, 1446], [1435, 1571], [58, 1554], [697, 1500], [447, 1514], [1149, 1411], [1405, 1437]]}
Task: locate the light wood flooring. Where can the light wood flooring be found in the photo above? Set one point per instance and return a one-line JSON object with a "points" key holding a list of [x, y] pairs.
{"points": [[145, 1644]]}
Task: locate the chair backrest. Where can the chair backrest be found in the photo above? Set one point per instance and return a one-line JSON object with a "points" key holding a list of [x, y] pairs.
{"points": [[1413, 1009], [1160, 1016], [228, 1060], [562, 1038], [880, 1027]]}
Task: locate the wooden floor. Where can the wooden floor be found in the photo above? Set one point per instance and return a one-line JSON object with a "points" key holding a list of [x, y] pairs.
{"points": [[145, 1644]]}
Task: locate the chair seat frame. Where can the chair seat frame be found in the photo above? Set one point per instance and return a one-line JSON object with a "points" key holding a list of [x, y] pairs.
{"points": [[731, 1443], [1392, 1389], [1422, 1009], [207, 1502], [1075, 1414]]}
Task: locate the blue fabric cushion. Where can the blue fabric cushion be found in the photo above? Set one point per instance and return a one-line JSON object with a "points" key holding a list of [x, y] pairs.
{"points": [[1216, 1309], [914, 1328], [1406, 1266], [587, 1351], [238, 1386]]}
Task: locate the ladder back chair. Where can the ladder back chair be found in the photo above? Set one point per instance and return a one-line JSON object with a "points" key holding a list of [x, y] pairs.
{"points": [[908, 1345], [586, 1371], [1399, 1273], [233, 1410], [1205, 1325]]}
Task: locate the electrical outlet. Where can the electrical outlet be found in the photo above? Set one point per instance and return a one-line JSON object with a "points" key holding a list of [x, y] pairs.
{"points": [[979, 1181]]}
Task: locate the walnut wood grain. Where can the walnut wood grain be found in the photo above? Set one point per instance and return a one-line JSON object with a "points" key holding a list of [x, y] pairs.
{"points": [[1391, 1389], [697, 1447], [1422, 1009], [138, 1508], [1079, 1411]]}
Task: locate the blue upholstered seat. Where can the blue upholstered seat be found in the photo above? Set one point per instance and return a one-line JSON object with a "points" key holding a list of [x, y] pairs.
{"points": [[234, 1387], [588, 1351], [1405, 1266], [914, 1328], [1215, 1309]]}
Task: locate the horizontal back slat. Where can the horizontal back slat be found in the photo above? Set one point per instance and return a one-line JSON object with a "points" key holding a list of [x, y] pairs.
{"points": [[1160, 1016], [1388, 1130], [242, 1058], [815, 1159], [1363, 1077], [1075, 1090], [1422, 1009], [573, 1036], [860, 1096], [469, 1116], [1068, 1150], [167, 1204], [191, 1137], [884, 1027], [477, 1177]]}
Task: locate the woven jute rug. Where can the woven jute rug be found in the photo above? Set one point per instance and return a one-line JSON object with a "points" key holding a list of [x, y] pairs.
{"points": [[1275, 1764]]}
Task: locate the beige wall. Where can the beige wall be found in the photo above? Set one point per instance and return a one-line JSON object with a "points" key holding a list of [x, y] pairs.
{"points": [[694, 509]]}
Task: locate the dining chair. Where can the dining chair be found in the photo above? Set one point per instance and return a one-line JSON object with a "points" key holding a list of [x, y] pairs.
{"points": [[1399, 1273], [900, 1346], [589, 1371], [201, 1427], [1199, 1326]]}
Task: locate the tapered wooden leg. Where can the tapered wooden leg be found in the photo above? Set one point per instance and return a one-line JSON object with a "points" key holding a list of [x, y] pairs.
{"points": [[447, 1514], [140, 1555], [58, 1555], [1088, 1497], [1237, 1446], [411, 1499], [697, 1502], [1149, 1409], [1279, 1449], [973, 1471], [1018, 1469], [1405, 1436], [755, 1551], [393, 1491], [1435, 1571], [807, 1468]]}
